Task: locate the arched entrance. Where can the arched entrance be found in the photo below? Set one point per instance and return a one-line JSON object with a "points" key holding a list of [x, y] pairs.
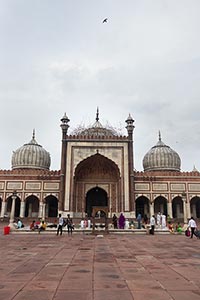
{"points": [[32, 206], [91, 173], [160, 205], [51, 206], [95, 197], [142, 206], [195, 207], [177, 208]]}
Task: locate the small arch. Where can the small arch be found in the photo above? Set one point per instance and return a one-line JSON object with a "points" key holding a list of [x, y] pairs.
{"points": [[142, 206], [51, 206], [32, 206], [95, 197], [177, 208], [160, 205], [195, 207]]}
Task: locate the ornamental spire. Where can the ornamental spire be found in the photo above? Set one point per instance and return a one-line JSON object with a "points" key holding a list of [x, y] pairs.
{"points": [[97, 114], [159, 135], [33, 134]]}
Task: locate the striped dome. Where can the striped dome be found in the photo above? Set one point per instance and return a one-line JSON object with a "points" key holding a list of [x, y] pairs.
{"points": [[161, 157], [31, 156]]}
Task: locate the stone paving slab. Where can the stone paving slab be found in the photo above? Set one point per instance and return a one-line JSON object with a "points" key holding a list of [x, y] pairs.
{"points": [[87, 267]]}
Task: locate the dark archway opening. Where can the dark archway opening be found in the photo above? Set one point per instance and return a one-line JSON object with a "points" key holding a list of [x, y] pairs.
{"points": [[195, 207], [51, 207], [95, 197], [160, 205], [142, 206], [177, 208], [32, 206]]}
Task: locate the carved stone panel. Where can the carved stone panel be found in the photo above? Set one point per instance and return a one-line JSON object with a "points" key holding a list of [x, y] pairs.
{"points": [[14, 185], [194, 187], [178, 187], [142, 187], [33, 185], [51, 186], [160, 187]]}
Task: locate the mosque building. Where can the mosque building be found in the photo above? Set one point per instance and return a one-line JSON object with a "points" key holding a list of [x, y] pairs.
{"points": [[97, 170]]}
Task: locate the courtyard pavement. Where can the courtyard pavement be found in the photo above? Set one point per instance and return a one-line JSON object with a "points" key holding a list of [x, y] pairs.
{"points": [[95, 267]]}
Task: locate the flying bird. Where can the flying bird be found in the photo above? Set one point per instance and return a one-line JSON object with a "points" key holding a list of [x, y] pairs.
{"points": [[105, 20]]}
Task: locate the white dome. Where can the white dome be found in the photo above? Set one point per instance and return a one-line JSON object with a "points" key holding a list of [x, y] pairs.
{"points": [[161, 157], [31, 156]]}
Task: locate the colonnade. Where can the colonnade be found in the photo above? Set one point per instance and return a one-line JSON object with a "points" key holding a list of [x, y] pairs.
{"points": [[41, 213], [180, 208]]}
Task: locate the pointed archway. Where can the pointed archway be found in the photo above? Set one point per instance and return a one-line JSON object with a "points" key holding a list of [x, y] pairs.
{"points": [[51, 206], [195, 207], [160, 205], [95, 197], [142, 206], [96, 172], [32, 206], [177, 207]]}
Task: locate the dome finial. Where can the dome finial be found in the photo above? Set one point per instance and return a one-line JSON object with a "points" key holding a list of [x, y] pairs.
{"points": [[33, 133], [97, 114], [159, 135]]}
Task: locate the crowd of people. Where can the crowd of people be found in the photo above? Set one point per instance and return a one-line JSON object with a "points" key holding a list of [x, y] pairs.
{"points": [[160, 221]]}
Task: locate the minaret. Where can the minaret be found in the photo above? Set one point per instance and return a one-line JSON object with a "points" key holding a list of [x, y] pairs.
{"points": [[64, 126], [130, 127]]}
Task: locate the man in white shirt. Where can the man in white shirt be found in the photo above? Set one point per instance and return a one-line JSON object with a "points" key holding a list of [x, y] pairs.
{"points": [[152, 223], [192, 224], [60, 224]]}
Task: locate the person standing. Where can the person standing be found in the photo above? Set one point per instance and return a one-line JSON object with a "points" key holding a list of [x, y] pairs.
{"points": [[114, 221], [121, 221], [139, 218], [69, 223], [152, 224], [60, 224], [158, 219], [192, 224], [163, 221]]}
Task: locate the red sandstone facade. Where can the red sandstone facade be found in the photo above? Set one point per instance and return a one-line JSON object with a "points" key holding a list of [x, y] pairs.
{"points": [[97, 169]]}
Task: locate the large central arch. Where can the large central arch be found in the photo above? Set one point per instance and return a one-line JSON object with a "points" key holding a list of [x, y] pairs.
{"points": [[95, 197], [97, 180]]}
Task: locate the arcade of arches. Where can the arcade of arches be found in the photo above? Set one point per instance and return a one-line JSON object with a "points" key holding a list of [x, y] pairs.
{"points": [[32, 207], [97, 182], [96, 196], [176, 209]]}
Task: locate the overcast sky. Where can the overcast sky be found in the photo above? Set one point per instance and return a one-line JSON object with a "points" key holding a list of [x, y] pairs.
{"points": [[58, 56]]}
